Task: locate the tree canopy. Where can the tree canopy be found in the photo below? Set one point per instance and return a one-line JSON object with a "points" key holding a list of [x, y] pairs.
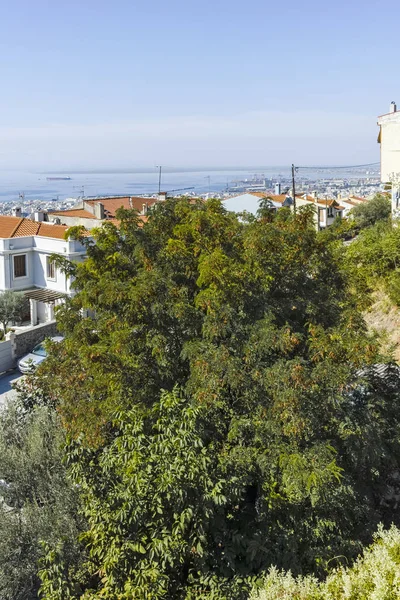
{"points": [[221, 402]]}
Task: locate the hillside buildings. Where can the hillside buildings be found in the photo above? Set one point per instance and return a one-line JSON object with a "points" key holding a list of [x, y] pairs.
{"points": [[326, 210], [389, 139], [91, 212]]}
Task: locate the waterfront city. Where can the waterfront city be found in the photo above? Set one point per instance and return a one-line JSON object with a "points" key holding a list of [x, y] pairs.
{"points": [[37, 192]]}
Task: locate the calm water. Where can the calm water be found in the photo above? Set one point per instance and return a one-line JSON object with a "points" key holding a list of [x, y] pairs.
{"points": [[35, 186]]}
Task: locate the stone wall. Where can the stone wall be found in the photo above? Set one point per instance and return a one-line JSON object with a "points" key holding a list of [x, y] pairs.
{"points": [[24, 341]]}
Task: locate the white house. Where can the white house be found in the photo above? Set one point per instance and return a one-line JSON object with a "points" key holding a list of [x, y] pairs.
{"points": [[25, 263], [389, 139], [326, 210], [250, 201]]}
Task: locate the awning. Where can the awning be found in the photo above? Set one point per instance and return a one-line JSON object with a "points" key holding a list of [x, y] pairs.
{"points": [[41, 295]]}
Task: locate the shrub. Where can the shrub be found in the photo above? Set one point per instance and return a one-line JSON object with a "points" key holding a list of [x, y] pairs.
{"points": [[374, 576]]}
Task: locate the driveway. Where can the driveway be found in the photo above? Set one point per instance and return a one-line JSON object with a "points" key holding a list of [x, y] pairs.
{"points": [[5, 386]]}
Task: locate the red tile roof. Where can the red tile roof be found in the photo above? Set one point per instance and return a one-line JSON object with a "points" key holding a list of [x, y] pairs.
{"points": [[74, 212], [12, 227], [111, 205]]}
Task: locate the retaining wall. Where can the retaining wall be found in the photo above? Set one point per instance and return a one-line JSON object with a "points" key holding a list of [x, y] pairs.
{"points": [[22, 342]]}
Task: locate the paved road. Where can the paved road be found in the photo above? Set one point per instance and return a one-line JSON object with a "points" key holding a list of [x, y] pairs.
{"points": [[5, 385]]}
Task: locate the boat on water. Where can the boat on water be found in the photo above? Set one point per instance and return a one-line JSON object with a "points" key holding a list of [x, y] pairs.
{"points": [[58, 178]]}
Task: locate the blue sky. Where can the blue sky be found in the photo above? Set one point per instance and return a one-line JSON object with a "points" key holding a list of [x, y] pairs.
{"points": [[107, 84]]}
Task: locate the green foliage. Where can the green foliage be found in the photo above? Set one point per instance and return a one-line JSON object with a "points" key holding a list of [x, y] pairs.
{"points": [[13, 306], [36, 501], [373, 211], [373, 259], [149, 530], [375, 576], [277, 448]]}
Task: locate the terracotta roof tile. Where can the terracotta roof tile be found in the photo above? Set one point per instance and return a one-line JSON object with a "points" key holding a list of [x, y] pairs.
{"points": [[26, 227], [8, 225], [111, 205], [52, 231], [11, 227], [74, 212]]}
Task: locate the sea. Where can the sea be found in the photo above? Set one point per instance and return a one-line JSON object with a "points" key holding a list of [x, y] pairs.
{"points": [[36, 186]]}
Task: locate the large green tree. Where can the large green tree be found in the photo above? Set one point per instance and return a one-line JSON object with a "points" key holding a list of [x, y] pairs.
{"points": [[283, 437]]}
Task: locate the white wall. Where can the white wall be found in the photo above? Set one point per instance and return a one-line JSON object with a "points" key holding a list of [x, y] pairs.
{"points": [[390, 146], [37, 249]]}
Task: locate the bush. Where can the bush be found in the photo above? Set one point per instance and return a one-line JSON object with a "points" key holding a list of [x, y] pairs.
{"points": [[37, 502], [374, 576], [369, 213]]}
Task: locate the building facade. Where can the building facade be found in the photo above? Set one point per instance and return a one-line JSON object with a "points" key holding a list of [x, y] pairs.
{"points": [[389, 139], [26, 250], [93, 212]]}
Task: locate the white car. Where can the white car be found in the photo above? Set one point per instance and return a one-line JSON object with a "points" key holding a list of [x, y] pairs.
{"points": [[28, 363]]}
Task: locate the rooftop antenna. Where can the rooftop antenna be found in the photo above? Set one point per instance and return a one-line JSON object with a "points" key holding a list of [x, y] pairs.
{"points": [[81, 190], [21, 196], [209, 183]]}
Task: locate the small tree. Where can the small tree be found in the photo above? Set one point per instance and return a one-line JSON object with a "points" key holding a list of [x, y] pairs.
{"points": [[369, 213], [12, 307]]}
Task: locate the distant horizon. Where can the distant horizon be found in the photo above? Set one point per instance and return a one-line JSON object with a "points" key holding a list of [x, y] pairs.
{"points": [[184, 169]]}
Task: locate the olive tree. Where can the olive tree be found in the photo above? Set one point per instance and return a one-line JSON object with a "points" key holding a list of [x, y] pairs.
{"points": [[12, 307]]}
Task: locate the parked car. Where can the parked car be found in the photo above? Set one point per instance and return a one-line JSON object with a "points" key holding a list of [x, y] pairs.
{"points": [[29, 363]]}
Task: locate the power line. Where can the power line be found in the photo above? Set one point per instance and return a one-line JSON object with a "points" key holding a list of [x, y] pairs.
{"points": [[343, 167]]}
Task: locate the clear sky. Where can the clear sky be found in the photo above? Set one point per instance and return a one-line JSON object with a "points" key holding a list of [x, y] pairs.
{"points": [[98, 83]]}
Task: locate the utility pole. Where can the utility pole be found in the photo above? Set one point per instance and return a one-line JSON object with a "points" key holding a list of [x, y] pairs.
{"points": [[159, 167], [294, 188]]}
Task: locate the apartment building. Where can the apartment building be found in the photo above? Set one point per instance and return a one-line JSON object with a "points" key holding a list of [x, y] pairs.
{"points": [[389, 139]]}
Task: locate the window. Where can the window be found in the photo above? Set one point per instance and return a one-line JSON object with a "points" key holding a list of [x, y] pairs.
{"points": [[51, 268], [20, 265], [330, 212]]}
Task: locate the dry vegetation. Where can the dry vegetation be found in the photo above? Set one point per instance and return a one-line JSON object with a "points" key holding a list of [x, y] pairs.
{"points": [[384, 317]]}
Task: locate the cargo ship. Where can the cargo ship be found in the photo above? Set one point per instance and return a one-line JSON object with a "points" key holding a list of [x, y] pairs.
{"points": [[58, 178], [256, 184]]}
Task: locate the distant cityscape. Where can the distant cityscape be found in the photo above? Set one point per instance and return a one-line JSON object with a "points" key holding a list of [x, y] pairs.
{"points": [[325, 183]]}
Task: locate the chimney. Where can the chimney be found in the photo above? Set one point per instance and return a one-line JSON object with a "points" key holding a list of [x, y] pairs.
{"points": [[16, 211], [144, 209], [38, 216], [314, 195], [162, 196], [393, 107], [277, 189], [99, 210]]}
